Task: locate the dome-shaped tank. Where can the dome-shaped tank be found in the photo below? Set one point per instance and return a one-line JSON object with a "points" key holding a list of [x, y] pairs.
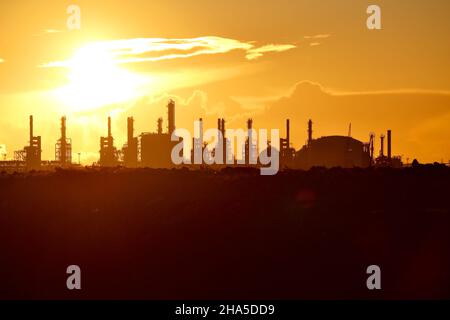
{"points": [[333, 151]]}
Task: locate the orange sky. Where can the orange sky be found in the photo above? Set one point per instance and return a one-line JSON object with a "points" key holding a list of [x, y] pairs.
{"points": [[263, 59]]}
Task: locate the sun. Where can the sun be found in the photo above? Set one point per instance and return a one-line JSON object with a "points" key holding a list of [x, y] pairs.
{"points": [[95, 79]]}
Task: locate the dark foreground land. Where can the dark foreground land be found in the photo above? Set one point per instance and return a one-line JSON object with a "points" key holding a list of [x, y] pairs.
{"points": [[178, 234]]}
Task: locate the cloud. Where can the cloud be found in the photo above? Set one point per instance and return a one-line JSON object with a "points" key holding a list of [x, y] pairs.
{"points": [[258, 52], [188, 109], [318, 36], [314, 40], [157, 49], [52, 31], [45, 32]]}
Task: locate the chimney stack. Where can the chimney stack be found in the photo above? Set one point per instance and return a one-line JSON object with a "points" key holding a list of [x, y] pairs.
{"points": [[389, 144], [224, 142], [372, 141], [63, 129], [31, 130], [310, 132], [223, 127], [197, 142], [382, 146], [63, 150], [201, 133], [109, 127], [160, 122], [288, 139], [130, 127], [248, 150], [171, 116]]}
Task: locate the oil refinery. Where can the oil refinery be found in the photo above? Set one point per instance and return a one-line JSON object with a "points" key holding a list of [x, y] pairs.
{"points": [[153, 149]]}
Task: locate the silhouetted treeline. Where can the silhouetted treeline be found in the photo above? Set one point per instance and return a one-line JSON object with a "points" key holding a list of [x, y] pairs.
{"points": [[180, 234]]}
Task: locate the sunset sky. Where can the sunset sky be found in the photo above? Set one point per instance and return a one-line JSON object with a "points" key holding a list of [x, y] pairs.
{"points": [[264, 59]]}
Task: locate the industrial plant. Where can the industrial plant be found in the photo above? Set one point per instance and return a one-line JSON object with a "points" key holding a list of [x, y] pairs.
{"points": [[153, 149]]}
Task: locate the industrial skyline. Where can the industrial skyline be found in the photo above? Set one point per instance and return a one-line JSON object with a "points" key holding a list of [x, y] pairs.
{"points": [[153, 149]]}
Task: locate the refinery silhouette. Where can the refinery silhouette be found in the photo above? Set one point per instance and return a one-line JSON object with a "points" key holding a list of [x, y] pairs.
{"points": [[153, 149]]}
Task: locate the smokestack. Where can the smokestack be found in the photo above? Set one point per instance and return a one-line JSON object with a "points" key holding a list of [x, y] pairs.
{"points": [[219, 125], [201, 133], [130, 130], [288, 139], [389, 144], [63, 145], [109, 127], [372, 140], [197, 142], [310, 131], [225, 147], [382, 146], [248, 151], [160, 122], [171, 116], [63, 129], [31, 130]]}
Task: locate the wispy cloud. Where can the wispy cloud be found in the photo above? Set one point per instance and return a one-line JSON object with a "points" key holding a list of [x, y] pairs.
{"points": [[314, 39], [46, 32], [52, 31], [318, 36], [157, 49], [259, 52]]}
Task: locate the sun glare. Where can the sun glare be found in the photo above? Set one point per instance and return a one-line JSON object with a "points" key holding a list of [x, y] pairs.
{"points": [[95, 80]]}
